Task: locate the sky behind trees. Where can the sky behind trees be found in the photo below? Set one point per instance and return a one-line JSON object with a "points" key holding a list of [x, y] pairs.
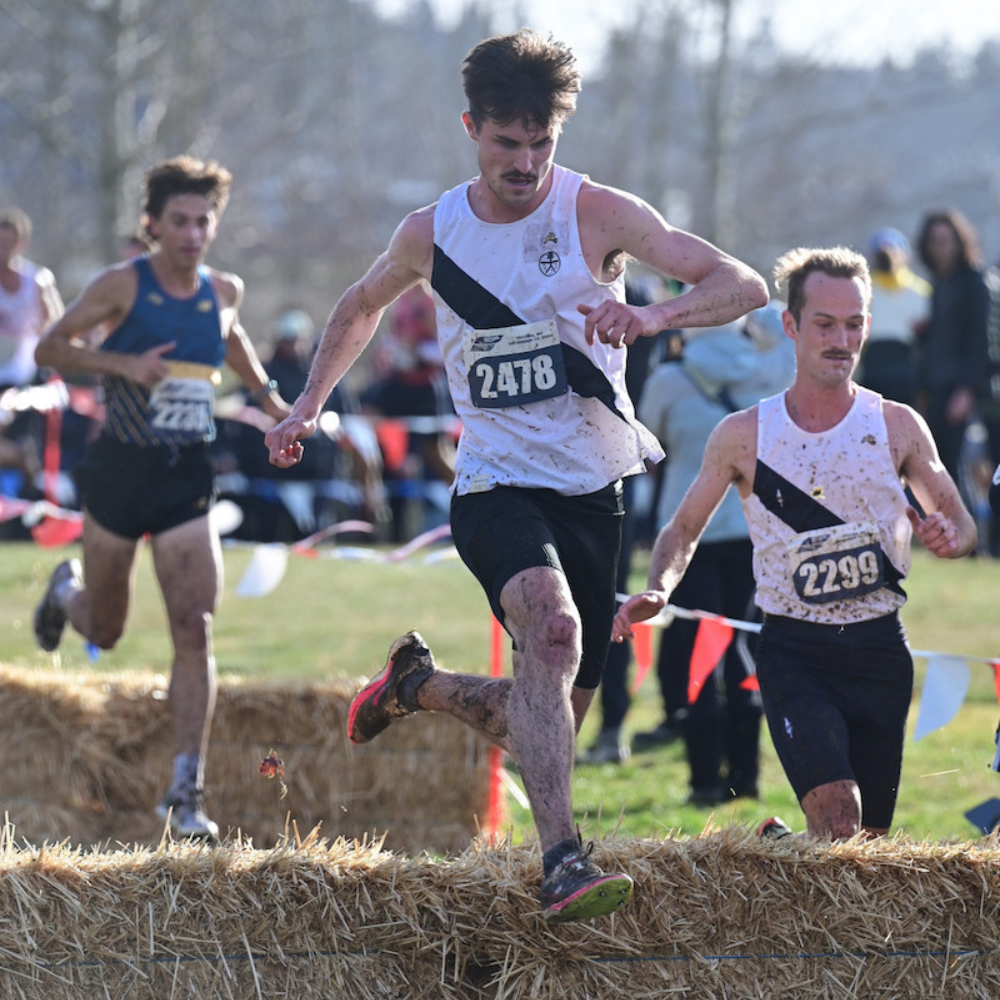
{"points": [[857, 32], [336, 122]]}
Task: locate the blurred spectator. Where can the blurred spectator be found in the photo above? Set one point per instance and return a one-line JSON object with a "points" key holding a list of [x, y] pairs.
{"points": [[989, 403], [29, 301], [411, 390], [354, 479], [900, 304], [722, 370], [291, 352], [341, 475], [952, 361], [995, 493]]}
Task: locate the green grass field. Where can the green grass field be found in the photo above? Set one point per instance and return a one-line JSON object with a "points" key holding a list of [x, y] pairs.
{"points": [[336, 617]]}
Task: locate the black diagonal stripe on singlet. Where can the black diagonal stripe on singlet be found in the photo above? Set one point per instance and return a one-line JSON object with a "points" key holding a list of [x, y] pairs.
{"points": [[587, 379], [479, 307], [801, 512], [482, 310], [788, 503]]}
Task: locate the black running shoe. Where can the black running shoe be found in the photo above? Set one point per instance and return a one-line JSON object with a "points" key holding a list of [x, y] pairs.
{"points": [[380, 701], [50, 615], [576, 889]]}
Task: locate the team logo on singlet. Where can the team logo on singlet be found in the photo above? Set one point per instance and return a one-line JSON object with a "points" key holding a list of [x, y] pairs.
{"points": [[549, 263], [205, 305], [541, 242], [155, 298]]}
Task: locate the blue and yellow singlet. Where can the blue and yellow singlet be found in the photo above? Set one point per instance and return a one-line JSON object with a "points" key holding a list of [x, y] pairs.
{"points": [[179, 410]]}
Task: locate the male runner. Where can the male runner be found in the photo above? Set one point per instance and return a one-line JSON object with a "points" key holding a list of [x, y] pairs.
{"points": [[526, 263], [168, 323], [821, 469]]}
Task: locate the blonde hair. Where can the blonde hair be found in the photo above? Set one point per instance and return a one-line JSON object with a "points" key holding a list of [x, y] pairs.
{"points": [[792, 269], [14, 218]]}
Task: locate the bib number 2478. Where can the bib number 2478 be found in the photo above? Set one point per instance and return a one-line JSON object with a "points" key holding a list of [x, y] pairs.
{"points": [[515, 366]]}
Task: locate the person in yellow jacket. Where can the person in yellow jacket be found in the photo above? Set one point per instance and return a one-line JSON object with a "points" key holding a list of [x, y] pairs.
{"points": [[900, 303]]}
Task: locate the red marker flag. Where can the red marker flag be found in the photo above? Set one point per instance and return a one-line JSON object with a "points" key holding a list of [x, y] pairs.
{"points": [[642, 647], [710, 645]]}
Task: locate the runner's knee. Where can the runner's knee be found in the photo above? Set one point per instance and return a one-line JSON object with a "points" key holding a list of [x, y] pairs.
{"points": [[193, 631], [560, 630]]}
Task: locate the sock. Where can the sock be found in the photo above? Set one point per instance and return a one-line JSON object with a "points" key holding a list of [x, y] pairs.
{"points": [[189, 771], [406, 693], [554, 855]]}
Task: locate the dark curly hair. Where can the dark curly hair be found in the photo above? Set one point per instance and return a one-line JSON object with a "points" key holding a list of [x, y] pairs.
{"points": [[523, 76], [184, 175]]}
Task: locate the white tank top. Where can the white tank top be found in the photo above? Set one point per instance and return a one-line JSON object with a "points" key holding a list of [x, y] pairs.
{"points": [[21, 322], [827, 516], [539, 407]]}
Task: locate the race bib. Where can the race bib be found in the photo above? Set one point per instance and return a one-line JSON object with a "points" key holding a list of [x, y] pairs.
{"points": [[837, 564], [181, 405], [514, 365]]}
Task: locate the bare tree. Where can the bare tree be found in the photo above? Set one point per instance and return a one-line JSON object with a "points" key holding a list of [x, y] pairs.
{"points": [[720, 129], [336, 122]]}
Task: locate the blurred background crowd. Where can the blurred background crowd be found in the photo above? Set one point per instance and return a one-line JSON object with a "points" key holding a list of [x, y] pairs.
{"points": [[384, 452]]}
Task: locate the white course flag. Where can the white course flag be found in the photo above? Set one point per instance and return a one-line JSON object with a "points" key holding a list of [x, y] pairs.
{"points": [[945, 687], [265, 570]]}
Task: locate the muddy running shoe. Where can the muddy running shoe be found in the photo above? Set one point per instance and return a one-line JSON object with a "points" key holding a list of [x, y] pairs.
{"points": [[576, 889], [50, 615], [773, 829], [393, 693], [186, 811]]}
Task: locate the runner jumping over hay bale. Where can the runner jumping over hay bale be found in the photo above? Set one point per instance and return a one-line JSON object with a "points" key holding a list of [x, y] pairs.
{"points": [[527, 266], [820, 469]]}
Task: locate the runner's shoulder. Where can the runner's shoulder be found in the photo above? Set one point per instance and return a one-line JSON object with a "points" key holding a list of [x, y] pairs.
{"points": [[228, 287]]}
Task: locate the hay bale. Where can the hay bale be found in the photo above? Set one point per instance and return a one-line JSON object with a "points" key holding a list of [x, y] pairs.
{"points": [[88, 756], [723, 915]]}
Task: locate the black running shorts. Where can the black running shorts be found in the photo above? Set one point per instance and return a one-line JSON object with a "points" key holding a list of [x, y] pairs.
{"points": [[506, 530], [134, 490], [836, 699]]}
